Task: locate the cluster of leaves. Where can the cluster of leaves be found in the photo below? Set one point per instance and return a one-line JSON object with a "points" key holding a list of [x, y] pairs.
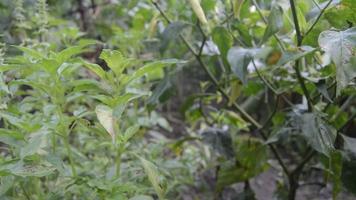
{"points": [[264, 84]]}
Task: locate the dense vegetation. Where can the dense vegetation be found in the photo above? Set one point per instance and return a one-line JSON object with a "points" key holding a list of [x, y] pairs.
{"points": [[177, 99]]}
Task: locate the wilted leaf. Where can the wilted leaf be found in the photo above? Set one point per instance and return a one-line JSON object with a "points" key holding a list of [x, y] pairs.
{"points": [[106, 119]]}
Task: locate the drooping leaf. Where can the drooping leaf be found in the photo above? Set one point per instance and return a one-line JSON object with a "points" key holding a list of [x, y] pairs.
{"points": [[341, 45], [293, 55], [106, 119], [275, 22], [94, 68]]}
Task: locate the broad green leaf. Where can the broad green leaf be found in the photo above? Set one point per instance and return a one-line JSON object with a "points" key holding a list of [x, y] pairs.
{"points": [[67, 53], [318, 134], [153, 177], [35, 144], [11, 137], [150, 67], [341, 45], [130, 132], [223, 39], [116, 61], [106, 119], [293, 55], [341, 15], [198, 10], [251, 160], [275, 22], [95, 68]]}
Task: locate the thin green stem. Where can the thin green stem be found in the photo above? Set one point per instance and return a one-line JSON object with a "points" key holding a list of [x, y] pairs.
{"points": [[69, 153], [120, 150], [318, 18]]}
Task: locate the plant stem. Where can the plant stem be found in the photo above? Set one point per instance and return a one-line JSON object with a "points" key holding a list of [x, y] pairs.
{"points": [[317, 19], [69, 152], [120, 150]]}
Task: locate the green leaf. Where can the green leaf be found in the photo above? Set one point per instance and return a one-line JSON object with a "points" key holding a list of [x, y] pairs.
{"points": [[223, 39], [6, 182], [341, 15], [341, 45], [153, 177], [29, 169], [35, 144], [151, 67], [116, 61], [293, 55], [31, 52], [95, 68], [67, 53], [275, 22], [251, 160], [318, 134], [130, 132]]}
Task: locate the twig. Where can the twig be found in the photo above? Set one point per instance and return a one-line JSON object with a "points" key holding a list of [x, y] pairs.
{"points": [[317, 19]]}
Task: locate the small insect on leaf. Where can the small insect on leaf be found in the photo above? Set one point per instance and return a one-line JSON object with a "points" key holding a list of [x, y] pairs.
{"points": [[198, 10], [106, 119]]}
